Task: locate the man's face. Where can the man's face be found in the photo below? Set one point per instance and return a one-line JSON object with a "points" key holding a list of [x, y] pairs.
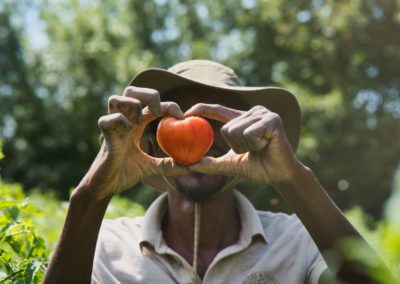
{"points": [[198, 187]]}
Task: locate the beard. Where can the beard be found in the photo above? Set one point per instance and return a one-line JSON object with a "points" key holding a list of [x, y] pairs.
{"points": [[198, 187]]}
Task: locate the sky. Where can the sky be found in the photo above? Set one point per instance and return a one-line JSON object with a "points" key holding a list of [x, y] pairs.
{"points": [[35, 29]]}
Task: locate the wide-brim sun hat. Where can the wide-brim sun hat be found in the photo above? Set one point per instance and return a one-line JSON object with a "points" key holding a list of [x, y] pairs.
{"points": [[215, 76]]}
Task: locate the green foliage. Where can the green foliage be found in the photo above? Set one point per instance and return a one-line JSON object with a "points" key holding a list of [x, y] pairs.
{"points": [[339, 57], [23, 253], [383, 236], [30, 226]]}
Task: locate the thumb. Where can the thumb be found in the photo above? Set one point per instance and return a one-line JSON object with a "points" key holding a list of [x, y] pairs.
{"points": [[211, 166], [168, 167]]}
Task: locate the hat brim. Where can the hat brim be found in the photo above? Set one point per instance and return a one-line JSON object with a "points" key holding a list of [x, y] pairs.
{"points": [[275, 99]]}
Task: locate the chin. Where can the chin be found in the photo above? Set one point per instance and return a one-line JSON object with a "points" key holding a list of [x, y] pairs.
{"points": [[199, 187]]}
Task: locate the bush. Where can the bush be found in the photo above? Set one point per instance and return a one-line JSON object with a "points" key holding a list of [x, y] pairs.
{"points": [[30, 226], [23, 252], [383, 237]]}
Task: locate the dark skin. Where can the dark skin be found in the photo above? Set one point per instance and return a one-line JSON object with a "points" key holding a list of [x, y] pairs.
{"points": [[220, 227], [220, 223], [260, 152]]}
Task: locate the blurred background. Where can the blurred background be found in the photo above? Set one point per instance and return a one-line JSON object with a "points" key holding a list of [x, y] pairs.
{"points": [[60, 60]]}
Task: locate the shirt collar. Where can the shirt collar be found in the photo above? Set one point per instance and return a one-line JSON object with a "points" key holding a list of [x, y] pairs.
{"points": [[151, 227], [251, 225]]}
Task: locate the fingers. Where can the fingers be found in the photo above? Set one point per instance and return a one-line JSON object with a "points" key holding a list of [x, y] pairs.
{"points": [[252, 131], [237, 122], [224, 165], [255, 136], [213, 111], [139, 102], [114, 123], [260, 133], [233, 131], [131, 108], [147, 97], [166, 108], [243, 131], [208, 165], [133, 101], [166, 167]]}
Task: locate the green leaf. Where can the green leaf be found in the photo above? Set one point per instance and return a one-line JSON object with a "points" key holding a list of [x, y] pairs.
{"points": [[6, 261], [28, 271], [13, 212], [6, 204], [31, 209], [11, 191]]}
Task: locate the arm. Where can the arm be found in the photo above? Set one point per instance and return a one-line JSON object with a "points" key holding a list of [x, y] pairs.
{"points": [[119, 165], [73, 257], [327, 226], [262, 153]]}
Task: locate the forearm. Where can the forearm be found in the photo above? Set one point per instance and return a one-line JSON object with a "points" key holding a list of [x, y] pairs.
{"points": [[322, 218], [72, 259], [326, 223]]}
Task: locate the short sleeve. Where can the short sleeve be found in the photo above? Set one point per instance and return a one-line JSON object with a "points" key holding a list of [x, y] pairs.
{"points": [[315, 264], [101, 266], [316, 268], [115, 252]]}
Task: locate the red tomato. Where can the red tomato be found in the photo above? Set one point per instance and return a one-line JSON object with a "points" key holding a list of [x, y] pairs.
{"points": [[186, 140]]}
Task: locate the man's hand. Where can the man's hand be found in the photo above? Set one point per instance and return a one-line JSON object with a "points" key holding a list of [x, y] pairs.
{"points": [[260, 149], [121, 163], [261, 152]]}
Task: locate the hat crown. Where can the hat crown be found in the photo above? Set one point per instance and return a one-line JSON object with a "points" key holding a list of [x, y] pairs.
{"points": [[206, 71]]}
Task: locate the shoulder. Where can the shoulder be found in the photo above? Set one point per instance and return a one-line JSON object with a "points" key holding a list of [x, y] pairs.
{"points": [[278, 219], [120, 229], [117, 250], [281, 225], [118, 239], [288, 238]]}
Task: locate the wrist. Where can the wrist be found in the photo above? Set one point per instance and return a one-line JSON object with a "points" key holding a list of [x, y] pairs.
{"points": [[86, 195], [298, 177], [85, 208]]}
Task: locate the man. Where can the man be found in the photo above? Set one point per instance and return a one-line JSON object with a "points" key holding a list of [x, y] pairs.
{"points": [[256, 132]]}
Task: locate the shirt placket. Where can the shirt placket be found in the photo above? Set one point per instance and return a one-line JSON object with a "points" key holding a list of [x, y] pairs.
{"points": [[178, 267]]}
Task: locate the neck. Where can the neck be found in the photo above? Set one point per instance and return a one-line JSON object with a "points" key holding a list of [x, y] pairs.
{"points": [[219, 226]]}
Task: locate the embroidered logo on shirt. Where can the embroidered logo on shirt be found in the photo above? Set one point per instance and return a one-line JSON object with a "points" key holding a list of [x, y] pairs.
{"points": [[261, 278]]}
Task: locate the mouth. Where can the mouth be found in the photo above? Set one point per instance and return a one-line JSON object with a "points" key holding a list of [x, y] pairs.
{"points": [[193, 177], [198, 187]]}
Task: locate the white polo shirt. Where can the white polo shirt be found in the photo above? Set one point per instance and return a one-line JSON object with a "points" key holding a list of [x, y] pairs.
{"points": [[272, 248]]}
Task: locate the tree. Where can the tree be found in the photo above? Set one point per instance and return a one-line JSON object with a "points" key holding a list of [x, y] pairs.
{"points": [[339, 57]]}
